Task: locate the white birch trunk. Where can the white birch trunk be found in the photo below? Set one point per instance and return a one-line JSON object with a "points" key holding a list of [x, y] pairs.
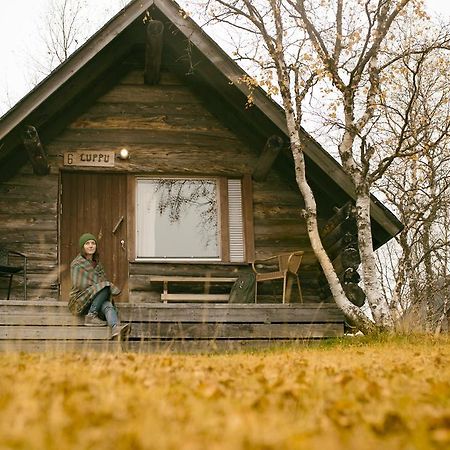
{"points": [[372, 286], [352, 312]]}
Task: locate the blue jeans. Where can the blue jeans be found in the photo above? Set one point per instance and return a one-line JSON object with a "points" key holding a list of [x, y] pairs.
{"points": [[102, 307]]}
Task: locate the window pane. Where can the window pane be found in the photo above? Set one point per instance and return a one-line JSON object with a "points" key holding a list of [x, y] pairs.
{"points": [[177, 219]]}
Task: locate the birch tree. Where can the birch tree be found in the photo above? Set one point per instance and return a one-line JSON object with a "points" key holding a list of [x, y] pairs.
{"points": [[418, 185], [344, 50]]}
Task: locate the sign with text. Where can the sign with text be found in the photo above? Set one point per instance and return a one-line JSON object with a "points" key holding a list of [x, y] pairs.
{"points": [[89, 158]]}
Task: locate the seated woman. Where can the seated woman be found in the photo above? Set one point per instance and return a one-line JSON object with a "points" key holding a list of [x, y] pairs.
{"points": [[91, 293]]}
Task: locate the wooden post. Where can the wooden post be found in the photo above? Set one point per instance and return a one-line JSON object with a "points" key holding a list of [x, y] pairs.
{"points": [[267, 158], [153, 52], [35, 150]]}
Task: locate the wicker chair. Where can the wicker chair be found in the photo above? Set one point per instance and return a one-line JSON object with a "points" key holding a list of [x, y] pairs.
{"points": [[286, 264], [12, 263]]}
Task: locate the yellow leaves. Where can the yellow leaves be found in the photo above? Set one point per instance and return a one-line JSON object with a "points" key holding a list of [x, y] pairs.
{"points": [[439, 428], [184, 14], [338, 397], [391, 422], [266, 82]]}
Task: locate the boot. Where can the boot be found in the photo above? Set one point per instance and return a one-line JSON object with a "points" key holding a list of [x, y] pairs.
{"points": [[92, 320], [120, 331]]}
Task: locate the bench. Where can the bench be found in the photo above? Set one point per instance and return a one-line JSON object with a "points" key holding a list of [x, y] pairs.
{"points": [[205, 297]]}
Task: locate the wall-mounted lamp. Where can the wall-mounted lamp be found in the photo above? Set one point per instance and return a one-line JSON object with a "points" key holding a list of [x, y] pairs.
{"points": [[124, 154]]}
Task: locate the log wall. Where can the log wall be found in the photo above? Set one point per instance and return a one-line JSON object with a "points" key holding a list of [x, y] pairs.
{"points": [[167, 130]]}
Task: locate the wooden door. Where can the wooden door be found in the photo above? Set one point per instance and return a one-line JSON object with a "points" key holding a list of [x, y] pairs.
{"points": [[97, 204]]}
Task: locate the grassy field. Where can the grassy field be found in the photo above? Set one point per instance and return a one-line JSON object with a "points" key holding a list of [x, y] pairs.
{"points": [[349, 394]]}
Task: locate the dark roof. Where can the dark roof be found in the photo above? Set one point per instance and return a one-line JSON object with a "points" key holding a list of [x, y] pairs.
{"points": [[208, 70]]}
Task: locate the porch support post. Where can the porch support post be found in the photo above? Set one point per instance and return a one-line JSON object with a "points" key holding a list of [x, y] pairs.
{"points": [[153, 52], [267, 158], [36, 151]]}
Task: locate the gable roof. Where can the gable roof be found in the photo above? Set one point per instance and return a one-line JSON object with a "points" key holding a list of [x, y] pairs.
{"points": [[208, 70]]}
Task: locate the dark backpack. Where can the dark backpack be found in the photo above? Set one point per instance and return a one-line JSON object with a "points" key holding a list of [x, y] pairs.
{"points": [[243, 290]]}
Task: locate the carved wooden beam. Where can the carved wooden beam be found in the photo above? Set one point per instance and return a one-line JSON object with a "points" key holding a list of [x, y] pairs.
{"points": [[341, 214], [347, 240], [347, 258], [331, 238], [153, 52], [36, 151], [267, 158]]}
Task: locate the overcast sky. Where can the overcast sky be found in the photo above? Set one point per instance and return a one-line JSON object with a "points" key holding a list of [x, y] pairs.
{"points": [[20, 23]]}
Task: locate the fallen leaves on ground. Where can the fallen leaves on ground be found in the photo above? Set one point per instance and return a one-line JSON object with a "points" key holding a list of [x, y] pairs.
{"points": [[369, 396]]}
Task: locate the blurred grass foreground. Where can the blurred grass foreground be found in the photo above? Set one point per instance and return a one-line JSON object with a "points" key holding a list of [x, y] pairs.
{"points": [[357, 394]]}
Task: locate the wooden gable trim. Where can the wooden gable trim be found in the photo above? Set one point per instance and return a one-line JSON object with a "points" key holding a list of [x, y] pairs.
{"points": [[72, 65]]}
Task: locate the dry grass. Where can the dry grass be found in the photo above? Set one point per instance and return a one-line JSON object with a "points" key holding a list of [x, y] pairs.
{"points": [[371, 395]]}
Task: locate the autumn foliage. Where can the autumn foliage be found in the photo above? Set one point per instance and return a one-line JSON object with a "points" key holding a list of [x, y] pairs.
{"points": [[356, 395]]}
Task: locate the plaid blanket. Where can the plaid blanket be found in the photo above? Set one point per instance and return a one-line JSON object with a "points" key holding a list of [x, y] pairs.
{"points": [[87, 281]]}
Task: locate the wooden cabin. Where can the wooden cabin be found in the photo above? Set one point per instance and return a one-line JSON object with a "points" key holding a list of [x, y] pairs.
{"points": [[144, 137]]}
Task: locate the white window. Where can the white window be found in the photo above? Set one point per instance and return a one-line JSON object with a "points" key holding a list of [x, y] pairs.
{"points": [[183, 219]]}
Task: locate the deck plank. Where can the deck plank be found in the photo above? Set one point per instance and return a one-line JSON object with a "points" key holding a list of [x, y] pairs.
{"points": [[53, 332], [235, 331], [51, 323]]}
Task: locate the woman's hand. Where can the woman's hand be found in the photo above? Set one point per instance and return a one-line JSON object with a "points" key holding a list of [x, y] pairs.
{"points": [[115, 290]]}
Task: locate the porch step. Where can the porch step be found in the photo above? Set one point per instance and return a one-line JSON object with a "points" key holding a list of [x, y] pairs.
{"points": [[41, 325]]}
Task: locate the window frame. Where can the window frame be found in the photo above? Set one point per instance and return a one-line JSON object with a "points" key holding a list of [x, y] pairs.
{"points": [[223, 221]]}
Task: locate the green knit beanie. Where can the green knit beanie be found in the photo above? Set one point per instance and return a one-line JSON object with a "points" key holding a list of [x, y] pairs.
{"points": [[86, 237]]}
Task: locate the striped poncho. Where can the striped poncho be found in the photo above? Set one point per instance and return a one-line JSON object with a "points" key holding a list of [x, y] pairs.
{"points": [[87, 281]]}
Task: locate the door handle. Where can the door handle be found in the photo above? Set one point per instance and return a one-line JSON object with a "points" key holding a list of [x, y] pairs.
{"points": [[122, 244], [117, 225]]}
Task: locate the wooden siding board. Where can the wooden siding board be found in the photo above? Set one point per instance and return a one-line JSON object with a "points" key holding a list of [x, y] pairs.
{"points": [[36, 319], [235, 331], [174, 111], [259, 314], [149, 95], [190, 137], [53, 332]]}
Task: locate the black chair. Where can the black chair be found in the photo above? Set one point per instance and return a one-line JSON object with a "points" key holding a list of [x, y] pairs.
{"points": [[12, 263]]}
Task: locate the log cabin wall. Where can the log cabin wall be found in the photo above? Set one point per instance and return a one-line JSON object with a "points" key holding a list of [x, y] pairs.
{"points": [[28, 224], [168, 131]]}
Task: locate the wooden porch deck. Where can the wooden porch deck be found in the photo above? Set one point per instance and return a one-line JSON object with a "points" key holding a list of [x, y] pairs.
{"points": [[48, 325]]}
